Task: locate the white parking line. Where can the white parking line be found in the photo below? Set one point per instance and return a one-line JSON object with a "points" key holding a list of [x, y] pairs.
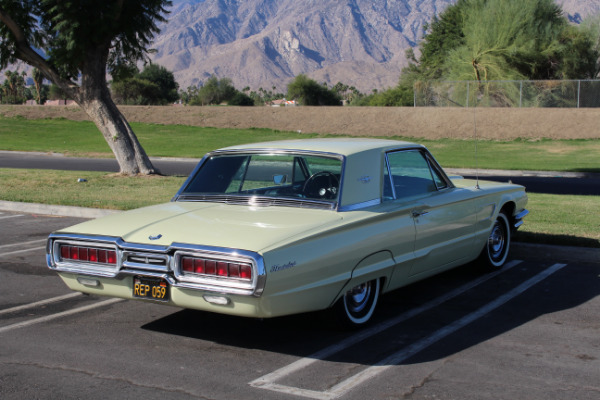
{"points": [[11, 216], [268, 381], [58, 315], [22, 251], [40, 303], [23, 243], [363, 335]]}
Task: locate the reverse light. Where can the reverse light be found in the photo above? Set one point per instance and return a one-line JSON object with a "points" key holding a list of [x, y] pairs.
{"points": [[218, 300]]}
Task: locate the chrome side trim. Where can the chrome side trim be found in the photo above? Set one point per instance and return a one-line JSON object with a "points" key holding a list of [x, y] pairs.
{"points": [[128, 266], [259, 201], [359, 206], [519, 218]]}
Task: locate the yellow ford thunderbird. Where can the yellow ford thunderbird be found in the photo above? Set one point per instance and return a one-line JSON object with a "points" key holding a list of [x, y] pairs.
{"points": [[278, 228]]}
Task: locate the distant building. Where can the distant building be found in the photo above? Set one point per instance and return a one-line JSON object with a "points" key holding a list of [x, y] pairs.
{"points": [[281, 102], [60, 103]]}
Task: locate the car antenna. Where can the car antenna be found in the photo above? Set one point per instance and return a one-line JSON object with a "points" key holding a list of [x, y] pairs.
{"points": [[476, 158]]}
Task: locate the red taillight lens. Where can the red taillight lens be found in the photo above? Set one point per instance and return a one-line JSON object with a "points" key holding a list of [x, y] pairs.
{"points": [[222, 269], [187, 264], [211, 267], [199, 266], [202, 266], [245, 271], [74, 253], [88, 254], [111, 257], [234, 270], [83, 254]]}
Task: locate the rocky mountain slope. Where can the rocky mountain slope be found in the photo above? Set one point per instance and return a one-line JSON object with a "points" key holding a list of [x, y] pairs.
{"points": [[265, 43]]}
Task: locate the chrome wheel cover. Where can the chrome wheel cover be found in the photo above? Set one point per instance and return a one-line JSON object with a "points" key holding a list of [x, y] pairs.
{"points": [[357, 297], [360, 301], [496, 242]]}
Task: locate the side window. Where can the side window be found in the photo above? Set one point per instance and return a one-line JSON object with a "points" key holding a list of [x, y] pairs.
{"points": [[437, 177], [411, 174]]}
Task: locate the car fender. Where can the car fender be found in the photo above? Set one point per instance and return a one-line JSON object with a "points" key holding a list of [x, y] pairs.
{"points": [[375, 266]]}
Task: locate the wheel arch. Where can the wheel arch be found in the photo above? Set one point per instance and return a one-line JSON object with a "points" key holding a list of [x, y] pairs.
{"points": [[378, 265], [510, 210]]}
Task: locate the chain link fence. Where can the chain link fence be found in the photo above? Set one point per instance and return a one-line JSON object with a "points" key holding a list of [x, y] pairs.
{"points": [[551, 93]]}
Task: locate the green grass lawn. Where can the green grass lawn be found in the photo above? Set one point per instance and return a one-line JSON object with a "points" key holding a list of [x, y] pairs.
{"points": [[554, 219], [77, 138], [101, 190]]}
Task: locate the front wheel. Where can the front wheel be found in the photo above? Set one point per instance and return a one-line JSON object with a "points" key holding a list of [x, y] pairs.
{"points": [[495, 252], [357, 305]]}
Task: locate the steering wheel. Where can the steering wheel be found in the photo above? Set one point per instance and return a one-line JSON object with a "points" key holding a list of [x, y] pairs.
{"points": [[321, 185]]}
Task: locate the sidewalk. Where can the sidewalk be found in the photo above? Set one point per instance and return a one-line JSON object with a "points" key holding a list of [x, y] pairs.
{"points": [[47, 209]]}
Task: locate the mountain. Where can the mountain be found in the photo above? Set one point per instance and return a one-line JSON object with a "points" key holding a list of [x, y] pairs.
{"points": [[265, 43], [577, 10]]}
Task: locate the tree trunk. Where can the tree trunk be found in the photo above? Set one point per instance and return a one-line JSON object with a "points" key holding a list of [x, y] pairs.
{"points": [[93, 96], [120, 137]]}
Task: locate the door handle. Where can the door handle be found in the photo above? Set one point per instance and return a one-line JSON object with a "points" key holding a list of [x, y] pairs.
{"points": [[417, 214]]}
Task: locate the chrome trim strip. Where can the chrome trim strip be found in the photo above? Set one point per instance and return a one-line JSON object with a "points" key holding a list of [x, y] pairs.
{"points": [[223, 285], [522, 214], [518, 224], [146, 261], [519, 218], [259, 201], [389, 175], [359, 206]]}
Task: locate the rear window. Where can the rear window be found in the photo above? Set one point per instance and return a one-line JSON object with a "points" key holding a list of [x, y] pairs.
{"points": [[273, 175]]}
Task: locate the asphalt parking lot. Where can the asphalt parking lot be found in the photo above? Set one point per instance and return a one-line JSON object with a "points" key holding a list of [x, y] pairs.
{"points": [[529, 331]]}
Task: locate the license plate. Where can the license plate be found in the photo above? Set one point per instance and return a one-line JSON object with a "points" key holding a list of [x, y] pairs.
{"points": [[150, 288]]}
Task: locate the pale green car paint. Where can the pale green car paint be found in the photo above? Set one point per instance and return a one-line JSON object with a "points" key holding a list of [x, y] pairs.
{"points": [[209, 224], [313, 256]]}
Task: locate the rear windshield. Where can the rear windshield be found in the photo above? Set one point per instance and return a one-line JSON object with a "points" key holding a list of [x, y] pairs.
{"points": [[271, 175]]}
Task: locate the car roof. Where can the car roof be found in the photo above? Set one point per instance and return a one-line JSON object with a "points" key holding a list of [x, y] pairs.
{"points": [[343, 146]]}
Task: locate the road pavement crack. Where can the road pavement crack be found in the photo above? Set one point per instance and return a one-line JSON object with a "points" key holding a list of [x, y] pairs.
{"points": [[97, 375], [414, 388]]}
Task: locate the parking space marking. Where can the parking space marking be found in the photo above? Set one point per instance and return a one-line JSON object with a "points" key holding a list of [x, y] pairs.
{"points": [[22, 251], [58, 315], [4, 246], [40, 303], [11, 216], [367, 333], [268, 381]]}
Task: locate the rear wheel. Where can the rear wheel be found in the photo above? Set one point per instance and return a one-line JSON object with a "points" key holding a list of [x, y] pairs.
{"points": [[495, 252], [357, 305]]}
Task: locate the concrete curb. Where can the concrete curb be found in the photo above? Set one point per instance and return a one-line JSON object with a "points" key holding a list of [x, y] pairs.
{"points": [[63, 211]]}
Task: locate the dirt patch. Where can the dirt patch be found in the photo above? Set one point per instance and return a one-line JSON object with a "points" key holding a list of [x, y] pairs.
{"points": [[428, 123]]}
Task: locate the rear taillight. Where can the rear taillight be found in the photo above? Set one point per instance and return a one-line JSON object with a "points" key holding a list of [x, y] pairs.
{"points": [[207, 267], [86, 254]]}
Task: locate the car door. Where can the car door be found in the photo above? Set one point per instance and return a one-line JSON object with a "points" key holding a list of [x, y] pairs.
{"points": [[443, 215]]}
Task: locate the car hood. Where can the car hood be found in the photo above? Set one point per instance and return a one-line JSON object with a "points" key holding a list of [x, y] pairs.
{"points": [[208, 224]]}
